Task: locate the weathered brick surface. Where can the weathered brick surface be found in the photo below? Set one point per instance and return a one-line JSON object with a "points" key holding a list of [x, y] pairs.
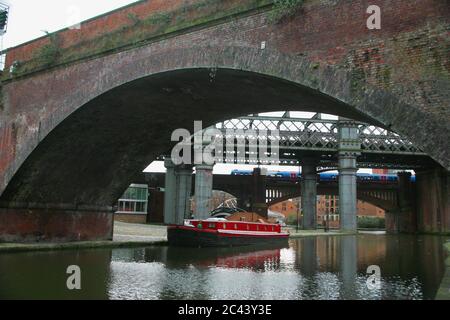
{"points": [[398, 76], [91, 29], [138, 21], [433, 201], [51, 225]]}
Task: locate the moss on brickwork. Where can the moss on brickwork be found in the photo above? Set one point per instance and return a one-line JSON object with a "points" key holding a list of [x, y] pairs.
{"points": [[139, 31], [357, 77], [49, 54]]}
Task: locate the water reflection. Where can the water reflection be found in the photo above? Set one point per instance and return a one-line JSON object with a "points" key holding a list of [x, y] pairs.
{"points": [[331, 267], [42, 275]]}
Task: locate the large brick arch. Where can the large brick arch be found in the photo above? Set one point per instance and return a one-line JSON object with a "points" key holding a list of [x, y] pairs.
{"points": [[67, 130]]}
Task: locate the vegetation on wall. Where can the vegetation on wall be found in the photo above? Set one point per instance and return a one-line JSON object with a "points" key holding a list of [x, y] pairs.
{"points": [[49, 53], [283, 9], [134, 19], [138, 31]]}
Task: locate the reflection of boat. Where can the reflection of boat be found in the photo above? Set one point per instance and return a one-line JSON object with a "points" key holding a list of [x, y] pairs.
{"points": [[224, 233], [256, 257]]}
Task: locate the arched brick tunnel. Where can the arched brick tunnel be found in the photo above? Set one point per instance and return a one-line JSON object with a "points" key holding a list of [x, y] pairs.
{"points": [[73, 135], [93, 150]]}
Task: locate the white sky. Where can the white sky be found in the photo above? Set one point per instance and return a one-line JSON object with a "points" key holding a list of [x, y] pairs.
{"points": [[29, 19]]}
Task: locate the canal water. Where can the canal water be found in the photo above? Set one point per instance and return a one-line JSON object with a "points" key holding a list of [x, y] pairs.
{"points": [[325, 267]]}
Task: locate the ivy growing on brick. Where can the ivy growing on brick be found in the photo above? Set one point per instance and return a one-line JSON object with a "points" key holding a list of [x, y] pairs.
{"points": [[50, 52]]}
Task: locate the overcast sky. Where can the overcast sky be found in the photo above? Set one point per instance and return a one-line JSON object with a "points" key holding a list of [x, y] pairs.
{"points": [[30, 18]]}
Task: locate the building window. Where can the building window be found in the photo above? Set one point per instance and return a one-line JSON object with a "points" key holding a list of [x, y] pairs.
{"points": [[134, 200]]}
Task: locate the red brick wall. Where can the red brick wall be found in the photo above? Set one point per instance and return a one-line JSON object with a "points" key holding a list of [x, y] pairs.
{"points": [[95, 27], [433, 199], [403, 56], [409, 57], [52, 225], [119, 21]]}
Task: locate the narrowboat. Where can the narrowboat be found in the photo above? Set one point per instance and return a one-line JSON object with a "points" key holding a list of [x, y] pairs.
{"points": [[223, 233]]}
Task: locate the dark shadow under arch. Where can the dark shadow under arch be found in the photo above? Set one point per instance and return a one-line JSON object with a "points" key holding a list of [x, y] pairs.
{"points": [[91, 157]]}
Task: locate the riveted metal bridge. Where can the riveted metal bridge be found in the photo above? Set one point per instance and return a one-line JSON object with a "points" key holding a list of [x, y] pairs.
{"points": [[316, 135], [315, 142]]}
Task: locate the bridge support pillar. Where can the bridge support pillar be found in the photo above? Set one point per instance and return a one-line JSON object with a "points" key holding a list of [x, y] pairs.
{"points": [[433, 200], [183, 175], [309, 193], [347, 193], [203, 191], [178, 184], [349, 149], [407, 222], [170, 192], [259, 204], [244, 198]]}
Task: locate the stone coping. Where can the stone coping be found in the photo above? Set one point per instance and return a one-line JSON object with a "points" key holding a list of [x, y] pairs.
{"points": [[32, 247]]}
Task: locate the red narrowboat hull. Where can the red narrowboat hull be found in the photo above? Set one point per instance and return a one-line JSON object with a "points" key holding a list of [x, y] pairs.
{"points": [[198, 237]]}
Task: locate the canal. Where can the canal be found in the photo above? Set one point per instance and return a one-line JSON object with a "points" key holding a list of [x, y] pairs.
{"points": [[324, 267]]}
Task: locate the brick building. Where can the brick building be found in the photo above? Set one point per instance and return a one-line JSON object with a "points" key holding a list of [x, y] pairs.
{"points": [[327, 204]]}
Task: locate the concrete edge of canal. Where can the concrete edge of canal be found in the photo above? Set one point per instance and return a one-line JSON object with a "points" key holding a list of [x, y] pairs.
{"points": [[15, 247], [303, 234], [31, 247], [444, 290]]}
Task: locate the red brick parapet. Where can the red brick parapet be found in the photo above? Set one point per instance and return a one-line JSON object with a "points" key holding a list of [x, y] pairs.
{"points": [[126, 26]]}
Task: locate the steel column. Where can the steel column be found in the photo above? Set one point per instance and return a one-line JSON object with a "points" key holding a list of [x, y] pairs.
{"points": [[169, 192], [309, 193], [203, 191], [349, 149]]}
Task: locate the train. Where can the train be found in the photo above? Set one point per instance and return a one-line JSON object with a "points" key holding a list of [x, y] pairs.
{"points": [[325, 176]]}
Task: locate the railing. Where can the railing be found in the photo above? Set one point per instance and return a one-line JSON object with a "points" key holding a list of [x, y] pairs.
{"points": [[313, 134]]}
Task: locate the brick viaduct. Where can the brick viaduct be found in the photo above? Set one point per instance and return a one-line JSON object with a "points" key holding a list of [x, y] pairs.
{"points": [[83, 111]]}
